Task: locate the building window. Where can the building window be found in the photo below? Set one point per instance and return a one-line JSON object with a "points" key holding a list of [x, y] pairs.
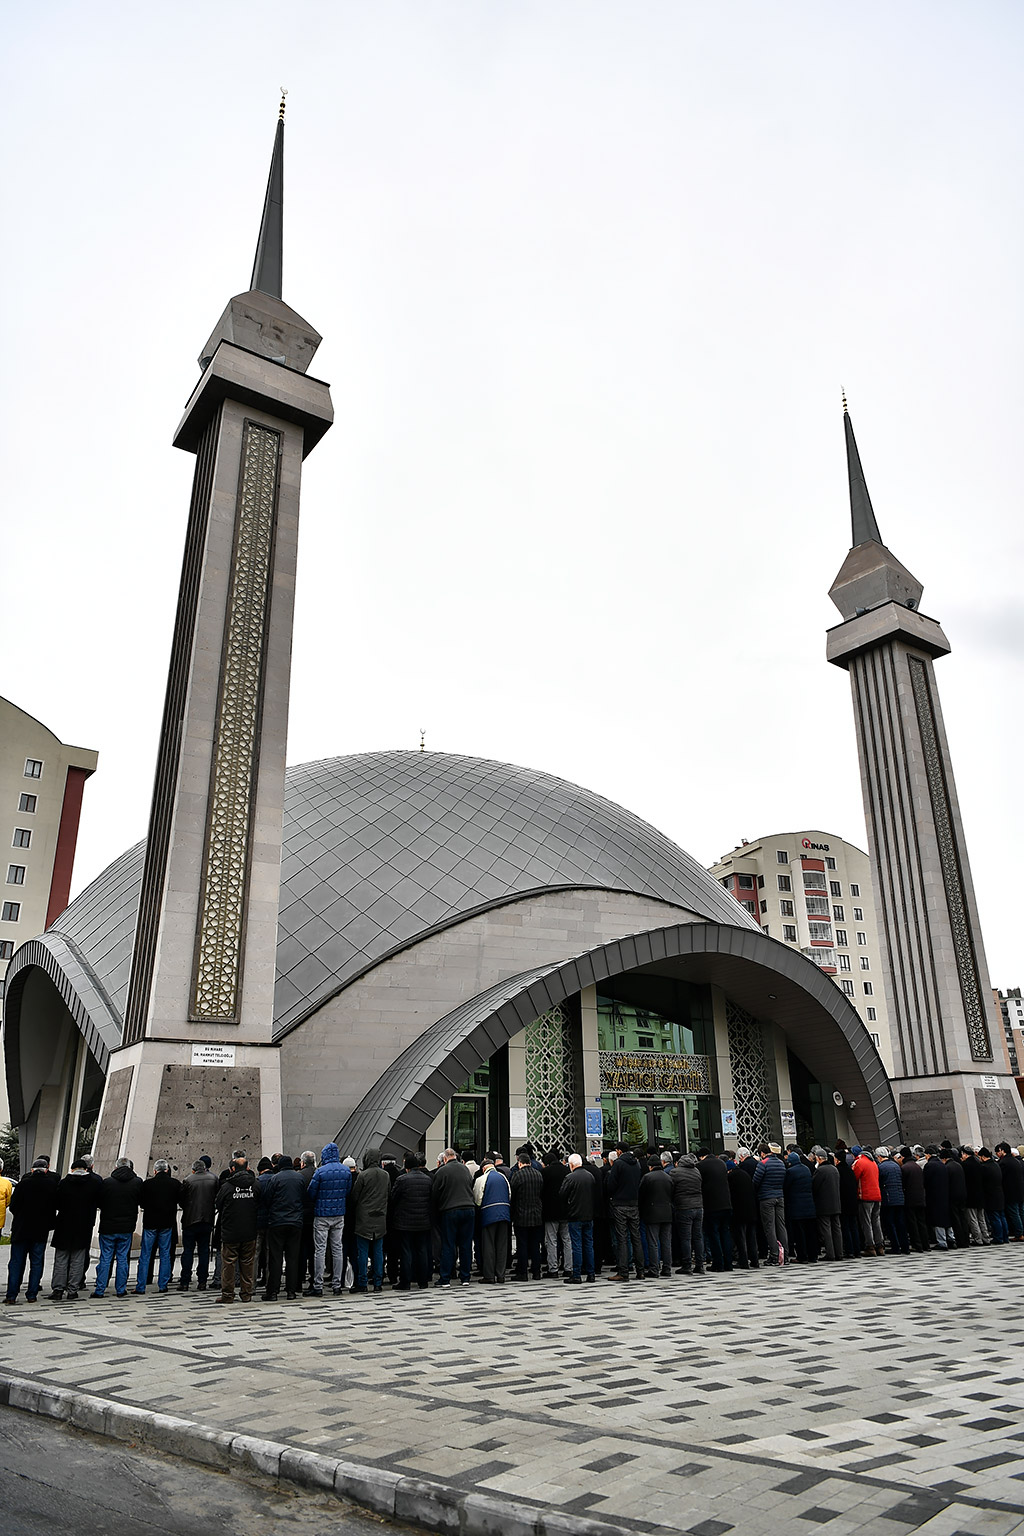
{"points": [[858, 914], [10, 912], [645, 1042], [854, 890], [764, 929], [6, 949], [862, 938], [746, 882], [28, 803], [847, 986], [814, 880], [839, 913], [829, 863], [872, 1014], [835, 889], [781, 857], [760, 882], [841, 937], [750, 906], [727, 882], [33, 768], [869, 990], [764, 906], [786, 908], [789, 933], [785, 883], [817, 906], [22, 838], [15, 874], [865, 963], [820, 931], [874, 1037], [844, 962]]}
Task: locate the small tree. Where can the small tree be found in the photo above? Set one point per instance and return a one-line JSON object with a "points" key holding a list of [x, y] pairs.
{"points": [[10, 1151]]}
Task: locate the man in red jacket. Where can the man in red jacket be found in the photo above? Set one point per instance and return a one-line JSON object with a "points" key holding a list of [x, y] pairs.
{"points": [[869, 1198]]}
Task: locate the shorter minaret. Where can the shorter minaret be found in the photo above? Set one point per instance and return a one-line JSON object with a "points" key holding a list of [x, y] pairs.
{"points": [[198, 1069], [949, 1081]]}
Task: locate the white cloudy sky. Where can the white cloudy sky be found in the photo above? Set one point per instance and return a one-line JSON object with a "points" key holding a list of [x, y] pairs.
{"points": [[590, 274]]}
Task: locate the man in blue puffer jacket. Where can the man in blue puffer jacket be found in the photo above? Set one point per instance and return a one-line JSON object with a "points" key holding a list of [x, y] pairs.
{"points": [[492, 1195], [894, 1215], [769, 1185], [328, 1192]]}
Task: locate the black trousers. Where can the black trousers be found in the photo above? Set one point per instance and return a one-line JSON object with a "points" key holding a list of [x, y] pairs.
{"points": [[627, 1223], [528, 1246], [416, 1258], [494, 1251], [284, 1243]]}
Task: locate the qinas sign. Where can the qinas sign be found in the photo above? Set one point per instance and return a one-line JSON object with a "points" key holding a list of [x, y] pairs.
{"points": [[818, 847]]}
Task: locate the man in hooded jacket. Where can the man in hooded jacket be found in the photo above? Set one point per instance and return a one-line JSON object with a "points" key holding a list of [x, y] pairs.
{"points": [[284, 1198], [688, 1213], [238, 1211], [198, 1193], [328, 1191], [120, 1198], [370, 1206]]}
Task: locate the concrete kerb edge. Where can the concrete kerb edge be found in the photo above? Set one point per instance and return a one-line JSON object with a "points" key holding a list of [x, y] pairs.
{"points": [[416, 1501]]}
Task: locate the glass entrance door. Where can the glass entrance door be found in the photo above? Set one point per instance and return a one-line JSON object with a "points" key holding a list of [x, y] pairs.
{"points": [[646, 1122], [467, 1118]]}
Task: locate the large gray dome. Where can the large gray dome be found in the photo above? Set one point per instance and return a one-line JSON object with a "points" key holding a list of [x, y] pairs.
{"points": [[383, 847]]}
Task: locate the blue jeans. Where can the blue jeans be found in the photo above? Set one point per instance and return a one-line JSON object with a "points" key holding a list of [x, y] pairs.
{"points": [[34, 1254], [113, 1245], [1015, 1219], [581, 1241], [999, 1225], [152, 1238], [372, 1249], [689, 1225], [457, 1229]]}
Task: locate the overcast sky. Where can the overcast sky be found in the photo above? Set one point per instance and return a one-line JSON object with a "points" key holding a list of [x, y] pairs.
{"points": [[590, 277]]}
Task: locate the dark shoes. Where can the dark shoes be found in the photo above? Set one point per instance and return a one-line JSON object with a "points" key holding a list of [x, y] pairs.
{"points": [[573, 1280]]}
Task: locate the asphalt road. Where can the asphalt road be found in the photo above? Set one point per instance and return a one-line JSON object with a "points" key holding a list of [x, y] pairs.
{"points": [[59, 1481]]}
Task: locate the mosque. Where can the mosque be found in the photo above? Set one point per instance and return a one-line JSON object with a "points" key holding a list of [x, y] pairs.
{"points": [[401, 949]]}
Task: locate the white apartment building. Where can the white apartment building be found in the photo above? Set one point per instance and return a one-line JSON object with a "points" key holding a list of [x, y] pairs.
{"points": [[813, 891], [41, 783], [1011, 1017]]}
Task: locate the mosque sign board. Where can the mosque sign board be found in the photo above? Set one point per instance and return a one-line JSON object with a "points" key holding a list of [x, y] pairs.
{"points": [[650, 1072]]}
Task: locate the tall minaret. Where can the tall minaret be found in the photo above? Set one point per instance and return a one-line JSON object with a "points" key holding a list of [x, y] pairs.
{"points": [[949, 1081], [197, 1070]]}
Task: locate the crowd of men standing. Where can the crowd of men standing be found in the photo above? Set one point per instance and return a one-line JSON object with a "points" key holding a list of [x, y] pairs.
{"points": [[298, 1227]]}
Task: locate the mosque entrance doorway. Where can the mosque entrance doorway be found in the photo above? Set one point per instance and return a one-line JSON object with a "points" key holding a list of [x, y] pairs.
{"points": [[644, 1122], [467, 1125]]}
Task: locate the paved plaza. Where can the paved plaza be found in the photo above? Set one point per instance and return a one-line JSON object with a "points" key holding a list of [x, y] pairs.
{"points": [[884, 1396]]}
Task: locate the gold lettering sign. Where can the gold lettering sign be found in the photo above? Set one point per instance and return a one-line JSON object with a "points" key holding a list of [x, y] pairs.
{"points": [[653, 1072]]}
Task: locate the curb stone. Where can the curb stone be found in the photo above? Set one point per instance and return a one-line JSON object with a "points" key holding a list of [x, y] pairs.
{"points": [[416, 1501]]}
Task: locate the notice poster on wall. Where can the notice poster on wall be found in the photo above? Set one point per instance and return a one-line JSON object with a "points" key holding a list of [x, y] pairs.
{"points": [[517, 1123], [728, 1122], [788, 1123], [595, 1122]]}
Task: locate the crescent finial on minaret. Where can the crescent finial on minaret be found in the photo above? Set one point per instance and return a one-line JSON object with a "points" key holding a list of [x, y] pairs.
{"points": [[280, 110]]}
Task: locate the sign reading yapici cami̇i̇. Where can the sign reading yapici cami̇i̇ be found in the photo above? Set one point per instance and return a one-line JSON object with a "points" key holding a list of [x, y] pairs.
{"points": [[196, 1065], [653, 1072]]}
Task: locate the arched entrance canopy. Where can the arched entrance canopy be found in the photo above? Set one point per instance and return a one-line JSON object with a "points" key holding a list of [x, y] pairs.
{"points": [[771, 981]]}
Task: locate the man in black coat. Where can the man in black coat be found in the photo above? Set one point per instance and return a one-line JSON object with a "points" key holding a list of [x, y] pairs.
{"points": [[33, 1213], [936, 1199], [161, 1196], [1012, 1171], [992, 1192], [714, 1178], [556, 1233], [576, 1196], [284, 1199], [913, 1200], [828, 1202], [957, 1196], [623, 1186], [527, 1186], [237, 1206], [977, 1222], [120, 1199], [78, 1200], [409, 1220], [655, 1204]]}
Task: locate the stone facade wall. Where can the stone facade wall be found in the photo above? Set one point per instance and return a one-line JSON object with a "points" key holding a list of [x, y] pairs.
{"points": [[205, 1110], [111, 1126], [928, 1115], [999, 1116]]}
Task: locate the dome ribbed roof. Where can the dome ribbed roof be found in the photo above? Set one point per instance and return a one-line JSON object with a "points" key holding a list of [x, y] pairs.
{"points": [[382, 847]]}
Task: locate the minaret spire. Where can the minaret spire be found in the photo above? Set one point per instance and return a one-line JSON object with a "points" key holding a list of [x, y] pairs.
{"points": [[862, 513], [266, 271]]}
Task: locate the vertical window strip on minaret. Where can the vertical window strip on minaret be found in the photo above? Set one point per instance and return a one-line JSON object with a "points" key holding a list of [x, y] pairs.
{"points": [[949, 861], [168, 763], [216, 994]]}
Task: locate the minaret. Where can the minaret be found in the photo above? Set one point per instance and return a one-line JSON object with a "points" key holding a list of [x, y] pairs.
{"points": [[197, 1070], [949, 1081]]}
